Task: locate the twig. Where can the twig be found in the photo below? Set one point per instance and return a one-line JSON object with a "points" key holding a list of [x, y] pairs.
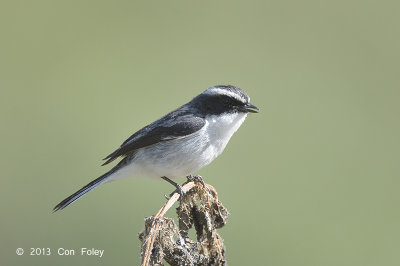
{"points": [[160, 214]]}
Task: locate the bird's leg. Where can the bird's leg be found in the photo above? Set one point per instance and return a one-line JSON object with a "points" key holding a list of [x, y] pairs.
{"points": [[178, 187]]}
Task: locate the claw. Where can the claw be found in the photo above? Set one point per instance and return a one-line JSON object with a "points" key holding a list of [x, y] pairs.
{"points": [[196, 178], [178, 190]]}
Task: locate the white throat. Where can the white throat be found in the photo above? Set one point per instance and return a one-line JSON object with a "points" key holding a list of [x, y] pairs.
{"points": [[220, 129]]}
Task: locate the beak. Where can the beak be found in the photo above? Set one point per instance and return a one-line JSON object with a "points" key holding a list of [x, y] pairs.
{"points": [[251, 108]]}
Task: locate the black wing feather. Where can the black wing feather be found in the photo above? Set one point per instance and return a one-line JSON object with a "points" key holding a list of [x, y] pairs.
{"points": [[165, 129]]}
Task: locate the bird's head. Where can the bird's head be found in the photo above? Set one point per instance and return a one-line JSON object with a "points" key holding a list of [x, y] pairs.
{"points": [[222, 99]]}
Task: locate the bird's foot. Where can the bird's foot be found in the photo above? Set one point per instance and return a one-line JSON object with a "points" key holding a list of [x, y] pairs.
{"points": [[178, 190], [198, 178]]}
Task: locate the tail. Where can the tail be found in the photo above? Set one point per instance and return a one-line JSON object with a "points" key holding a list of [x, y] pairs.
{"points": [[89, 187]]}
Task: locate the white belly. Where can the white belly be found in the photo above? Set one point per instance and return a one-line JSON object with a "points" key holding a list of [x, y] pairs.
{"points": [[184, 156]]}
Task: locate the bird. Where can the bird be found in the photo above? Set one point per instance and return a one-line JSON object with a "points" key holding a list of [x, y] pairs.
{"points": [[179, 143]]}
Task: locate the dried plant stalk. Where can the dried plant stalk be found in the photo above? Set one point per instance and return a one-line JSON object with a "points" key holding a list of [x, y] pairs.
{"points": [[200, 209]]}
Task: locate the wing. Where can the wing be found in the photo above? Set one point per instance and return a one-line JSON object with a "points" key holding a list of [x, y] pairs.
{"points": [[176, 124]]}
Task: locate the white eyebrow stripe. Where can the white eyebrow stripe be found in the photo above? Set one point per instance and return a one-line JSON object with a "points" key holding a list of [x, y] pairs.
{"points": [[219, 91]]}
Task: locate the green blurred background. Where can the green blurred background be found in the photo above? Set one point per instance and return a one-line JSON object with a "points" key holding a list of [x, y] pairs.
{"points": [[311, 180]]}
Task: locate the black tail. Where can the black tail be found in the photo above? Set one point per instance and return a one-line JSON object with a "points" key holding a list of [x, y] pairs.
{"points": [[89, 187]]}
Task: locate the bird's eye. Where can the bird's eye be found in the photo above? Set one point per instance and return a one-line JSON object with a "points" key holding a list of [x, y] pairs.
{"points": [[226, 101]]}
